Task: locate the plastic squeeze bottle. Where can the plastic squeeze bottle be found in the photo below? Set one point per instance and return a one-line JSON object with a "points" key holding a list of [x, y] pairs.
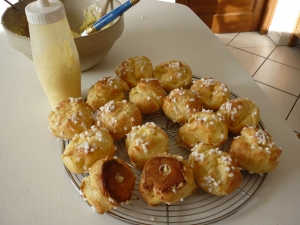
{"points": [[54, 52]]}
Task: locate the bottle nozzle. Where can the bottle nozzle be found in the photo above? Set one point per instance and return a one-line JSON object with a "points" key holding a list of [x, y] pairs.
{"points": [[43, 3]]}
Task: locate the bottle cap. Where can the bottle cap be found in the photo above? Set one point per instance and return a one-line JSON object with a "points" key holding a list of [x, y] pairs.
{"points": [[45, 12]]}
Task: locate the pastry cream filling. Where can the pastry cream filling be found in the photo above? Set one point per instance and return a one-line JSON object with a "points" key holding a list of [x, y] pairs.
{"points": [[91, 15], [119, 178], [55, 74], [165, 169]]}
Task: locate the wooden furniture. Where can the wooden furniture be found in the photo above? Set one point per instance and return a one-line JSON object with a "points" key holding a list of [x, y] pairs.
{"points": [[225, 16], [296, 32], [268, 16]]}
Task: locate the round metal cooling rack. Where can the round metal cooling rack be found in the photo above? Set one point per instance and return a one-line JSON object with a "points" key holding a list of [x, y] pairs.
{"points": [[199, 208]]}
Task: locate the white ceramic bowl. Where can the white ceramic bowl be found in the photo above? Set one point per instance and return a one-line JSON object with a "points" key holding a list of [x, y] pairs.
{"points": [[92, 48]]}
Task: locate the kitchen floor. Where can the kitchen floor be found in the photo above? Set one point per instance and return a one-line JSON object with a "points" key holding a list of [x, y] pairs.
{"points": [[276, 69]]}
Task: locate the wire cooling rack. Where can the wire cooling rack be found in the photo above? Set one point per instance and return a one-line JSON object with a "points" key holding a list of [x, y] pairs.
{"points": [[199, 208]]}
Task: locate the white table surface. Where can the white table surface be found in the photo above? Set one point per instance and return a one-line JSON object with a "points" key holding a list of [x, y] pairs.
{"points": [[34, 187]]}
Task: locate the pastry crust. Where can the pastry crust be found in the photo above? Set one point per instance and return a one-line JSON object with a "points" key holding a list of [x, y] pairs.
{"points": [[145, 141], [71, 116], [173, 74], [181, 104], [118, 117], [216, 172], [105, 90], [240, 113], [255, 150], [213, 93], [111, 183], [134, 69], [148, 95], [86, 148], [166, 178], [203, 127]]}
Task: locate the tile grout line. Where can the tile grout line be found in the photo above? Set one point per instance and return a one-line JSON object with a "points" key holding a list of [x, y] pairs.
{"points": [[276, 88], [264, 56], [283, 64], [232, 39], [263, 63], [297, 132], [271, 39], [259, 68], [252, 52], [292, 108], [265, 59], [297, 97], [249, 53]]}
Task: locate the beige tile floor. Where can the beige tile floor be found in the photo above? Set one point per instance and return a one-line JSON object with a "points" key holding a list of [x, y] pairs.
{"points": [[276, 69]]}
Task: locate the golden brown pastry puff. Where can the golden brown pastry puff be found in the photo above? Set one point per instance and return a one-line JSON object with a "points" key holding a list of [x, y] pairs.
{"points": [[216, 172], [255, 150], [86, 148], [213, 93], [181, 104], [240, 113], [111, 183], [118, 117], [173, 74], [166, 178], [145, 141], [134, 69], [203, 127], [70, 117], [148, 95], [105, 90]]}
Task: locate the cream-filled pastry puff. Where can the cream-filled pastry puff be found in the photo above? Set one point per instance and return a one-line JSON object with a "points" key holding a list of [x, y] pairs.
{"points": [[86, 148], [213, 93], [239, 113], [71, 116], [109, 184], [118, 117], [255, 150], [173, 74], [181, 104], [133, 69], [215, 172], [203, 127], [145, 141], [166, 179], [105, 90], [148, 95]]}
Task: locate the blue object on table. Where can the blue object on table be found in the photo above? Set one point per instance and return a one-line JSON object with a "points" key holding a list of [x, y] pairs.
{"points": [[109, 17]]}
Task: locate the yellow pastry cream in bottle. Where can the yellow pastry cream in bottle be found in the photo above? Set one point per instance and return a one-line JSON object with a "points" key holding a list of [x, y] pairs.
{"points": [[54, 52]]}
